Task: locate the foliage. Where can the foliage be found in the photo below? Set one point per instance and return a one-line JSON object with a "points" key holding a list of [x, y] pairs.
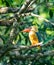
{"points": [[45, 23]]}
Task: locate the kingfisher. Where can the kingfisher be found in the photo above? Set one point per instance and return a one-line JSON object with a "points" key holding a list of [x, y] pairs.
{"points": [[34, 36]]}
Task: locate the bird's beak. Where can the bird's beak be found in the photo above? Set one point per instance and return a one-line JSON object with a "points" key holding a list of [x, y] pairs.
{"points": [[26, 30]]}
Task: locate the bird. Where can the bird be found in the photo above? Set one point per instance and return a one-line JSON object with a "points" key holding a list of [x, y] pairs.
{"points": [[34, 36]]}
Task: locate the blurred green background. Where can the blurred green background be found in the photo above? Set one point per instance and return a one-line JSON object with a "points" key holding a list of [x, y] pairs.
{"points": [[44, 8]]}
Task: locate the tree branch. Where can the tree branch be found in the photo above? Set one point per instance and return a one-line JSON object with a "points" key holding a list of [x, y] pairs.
{"points": [[7, 22], [24, 6], [38, 16], [5, 10], [13, 33], [32, 56], [8, 10], [16, 15], [12, 47]]}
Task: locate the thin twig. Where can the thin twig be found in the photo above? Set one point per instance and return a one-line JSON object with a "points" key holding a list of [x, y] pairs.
{"points": [[38, 16]]}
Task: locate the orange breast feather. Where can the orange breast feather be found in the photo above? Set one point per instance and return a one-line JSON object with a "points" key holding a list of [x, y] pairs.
{"points": [[33, 38]]}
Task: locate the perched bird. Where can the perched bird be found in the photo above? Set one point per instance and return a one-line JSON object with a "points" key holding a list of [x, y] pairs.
{"points": [[34, 36]]}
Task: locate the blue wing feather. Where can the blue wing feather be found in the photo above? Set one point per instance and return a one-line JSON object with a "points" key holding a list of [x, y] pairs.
{"points": [[39, 36]]}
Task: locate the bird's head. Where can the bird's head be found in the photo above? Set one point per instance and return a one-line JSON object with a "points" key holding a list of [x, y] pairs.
{"points": [[32, 28]]}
